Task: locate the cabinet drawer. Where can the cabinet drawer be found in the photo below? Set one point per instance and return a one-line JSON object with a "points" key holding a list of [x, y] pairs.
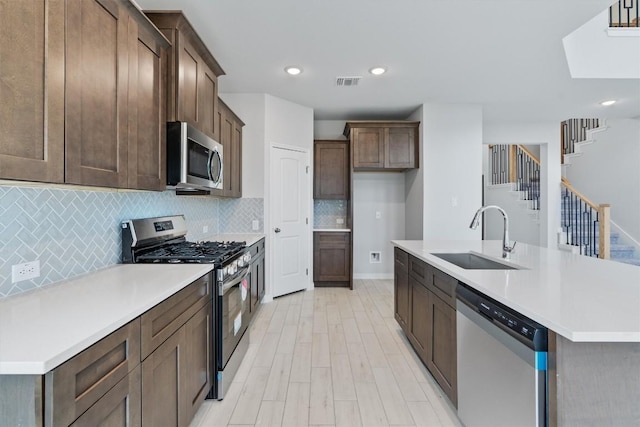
{"points": [[401, 259], [445, 287], [81, 381], [331, 237], [163, 320], [120, 406], [419, 270]]}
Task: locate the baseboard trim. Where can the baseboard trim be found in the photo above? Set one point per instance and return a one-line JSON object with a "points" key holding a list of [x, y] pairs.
{"points": [[382, 276]]}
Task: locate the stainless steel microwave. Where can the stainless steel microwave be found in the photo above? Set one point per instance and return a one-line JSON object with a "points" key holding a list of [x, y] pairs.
{"points": [[194, 161]]}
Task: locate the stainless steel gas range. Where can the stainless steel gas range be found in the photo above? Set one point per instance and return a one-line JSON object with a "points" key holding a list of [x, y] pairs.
{"points": [[162, 240]]}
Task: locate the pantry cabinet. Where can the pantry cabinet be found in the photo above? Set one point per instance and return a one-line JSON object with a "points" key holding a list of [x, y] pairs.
{"points": [[74, 96], [383, 145], [331, 179], [192, 74]]}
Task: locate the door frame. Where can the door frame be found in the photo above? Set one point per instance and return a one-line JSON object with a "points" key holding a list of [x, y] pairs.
{"points": [[268, 215]]}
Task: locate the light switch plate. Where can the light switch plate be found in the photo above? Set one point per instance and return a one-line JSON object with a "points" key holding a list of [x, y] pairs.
{"points": [[255, 225]]}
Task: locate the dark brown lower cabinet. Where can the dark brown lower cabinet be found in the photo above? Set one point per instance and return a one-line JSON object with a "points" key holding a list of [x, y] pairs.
{"points": [[401, 289], [257, 281], [430, 322], [199, 358], [162, 390], [420, 326], [332, 258], [441, 357], [120, 407]]}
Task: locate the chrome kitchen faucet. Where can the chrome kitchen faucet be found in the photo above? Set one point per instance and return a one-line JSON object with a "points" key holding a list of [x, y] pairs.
{"points": [[506, 249]]}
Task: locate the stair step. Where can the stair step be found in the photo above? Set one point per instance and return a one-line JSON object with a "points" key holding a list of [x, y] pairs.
{"points": [[632, 261]]}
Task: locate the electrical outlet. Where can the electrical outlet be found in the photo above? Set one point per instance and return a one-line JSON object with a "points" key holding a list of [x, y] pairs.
{"points": [[205, 228], [255, 225], [26, 271], [378, 214]]}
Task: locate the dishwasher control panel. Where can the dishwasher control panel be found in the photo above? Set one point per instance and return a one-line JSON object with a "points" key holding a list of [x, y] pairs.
{"points": [[527, 330]]}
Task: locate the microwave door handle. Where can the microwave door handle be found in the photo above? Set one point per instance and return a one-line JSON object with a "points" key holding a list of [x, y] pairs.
{"points": [[209, 165], [226, 286]]}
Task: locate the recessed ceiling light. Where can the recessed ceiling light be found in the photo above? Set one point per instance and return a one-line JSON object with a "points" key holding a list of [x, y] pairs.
{"points": [[376, 71], [294, 71], [607, 103]]}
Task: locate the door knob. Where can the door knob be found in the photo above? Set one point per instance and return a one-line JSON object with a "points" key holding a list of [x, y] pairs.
{"points": [[277, 230]]}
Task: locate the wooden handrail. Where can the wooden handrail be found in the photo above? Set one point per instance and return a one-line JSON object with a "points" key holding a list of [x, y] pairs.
{"points": [[567, 184], [530, 154]]}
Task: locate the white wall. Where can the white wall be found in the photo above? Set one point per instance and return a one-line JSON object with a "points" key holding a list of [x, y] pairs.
{"points": [[251, 109], [547, 135], [373, 192], [608, 171], [270, 120], [452, 153], [414, 189], [522, 225]]}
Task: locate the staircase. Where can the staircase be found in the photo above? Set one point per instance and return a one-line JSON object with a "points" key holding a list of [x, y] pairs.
{"points": [[580, 218]]}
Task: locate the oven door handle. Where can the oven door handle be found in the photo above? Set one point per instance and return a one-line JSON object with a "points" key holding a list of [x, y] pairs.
{"points": [[223, 288]]}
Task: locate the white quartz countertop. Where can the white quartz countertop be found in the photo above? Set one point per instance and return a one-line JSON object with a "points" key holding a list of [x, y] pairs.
{"points": [[250, 238], [41, 329], [336, 230], [581, 298]]}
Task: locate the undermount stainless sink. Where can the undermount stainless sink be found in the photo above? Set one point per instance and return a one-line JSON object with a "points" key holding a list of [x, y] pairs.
{"points": [[471, 261]]}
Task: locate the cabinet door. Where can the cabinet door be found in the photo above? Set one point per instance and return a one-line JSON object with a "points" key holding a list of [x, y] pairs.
{"points": [[331, 170], [189, 74], [401, 291], [368, 148], [257, 281], [32, 90], [331, 257], [420, 324], [199, 361], [96, 113], [208, 102], [442, 357], [163, 389], [147, 127], [231, 139], [400, 148], [120, 407]]}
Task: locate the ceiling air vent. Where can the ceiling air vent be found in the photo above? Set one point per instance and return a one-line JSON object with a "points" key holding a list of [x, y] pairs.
{"points": [[348, 81]]}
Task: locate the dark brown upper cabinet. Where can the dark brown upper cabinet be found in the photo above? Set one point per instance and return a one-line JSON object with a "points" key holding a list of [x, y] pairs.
{"points": [[32, 90], [383, 145], [82, 100], [331, 170], [230, 131], [192, 77]]}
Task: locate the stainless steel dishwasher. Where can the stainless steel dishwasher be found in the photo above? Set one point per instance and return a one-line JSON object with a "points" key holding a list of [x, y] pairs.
{"points": [[502, 364]]}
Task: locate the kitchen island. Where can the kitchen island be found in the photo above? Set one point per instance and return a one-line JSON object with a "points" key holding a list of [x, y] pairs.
{"points": [[591, 308]]}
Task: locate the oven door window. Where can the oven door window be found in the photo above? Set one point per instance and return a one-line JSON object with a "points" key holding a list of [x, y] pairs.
{"points": [[235, 315]]}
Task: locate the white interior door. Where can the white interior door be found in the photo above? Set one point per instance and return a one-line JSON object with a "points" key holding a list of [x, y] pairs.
{"points": [[290, 220]]}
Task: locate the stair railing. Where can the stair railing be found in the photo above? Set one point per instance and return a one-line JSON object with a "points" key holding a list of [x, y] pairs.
{"points": [[624, 13], [584, 223], [514, 164], [573, 131]]}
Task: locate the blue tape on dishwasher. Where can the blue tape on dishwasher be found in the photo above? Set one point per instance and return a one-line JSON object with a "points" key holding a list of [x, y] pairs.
{"points": [[541, 360]]}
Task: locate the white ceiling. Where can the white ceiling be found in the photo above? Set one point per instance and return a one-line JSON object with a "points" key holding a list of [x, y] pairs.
{"points": [[506, 55]]}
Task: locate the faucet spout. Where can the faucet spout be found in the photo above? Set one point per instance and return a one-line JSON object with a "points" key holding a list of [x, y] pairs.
{"points": [[506, 248]]}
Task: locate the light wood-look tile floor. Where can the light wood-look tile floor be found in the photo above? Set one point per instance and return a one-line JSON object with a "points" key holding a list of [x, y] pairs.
{"points": [[330, 357]]}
